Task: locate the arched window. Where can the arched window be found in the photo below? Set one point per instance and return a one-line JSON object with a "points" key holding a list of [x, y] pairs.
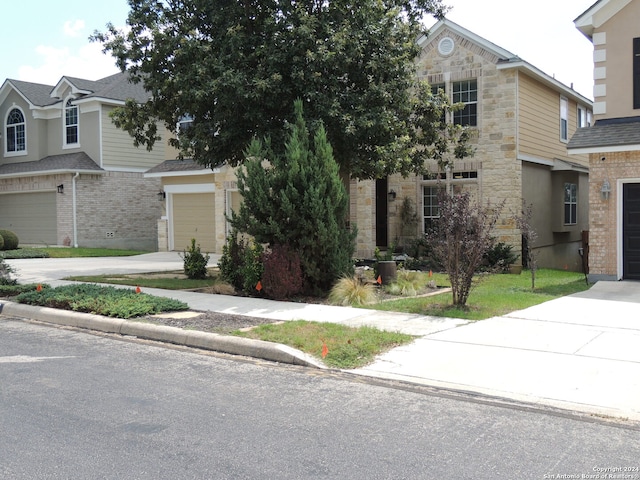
{"points": [[16, 133], [71, 123]]}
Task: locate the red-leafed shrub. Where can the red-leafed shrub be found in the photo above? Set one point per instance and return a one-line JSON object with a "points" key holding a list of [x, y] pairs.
{"points": [[282, 277]]}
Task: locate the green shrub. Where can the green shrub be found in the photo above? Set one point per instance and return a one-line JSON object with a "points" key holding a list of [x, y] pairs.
{"points": [[500, 257], [195, 263], [5, 273], [1, 242], [352, 291], [241, 263], [109, 301], [10, 240], [13, 289], [251, 269]]}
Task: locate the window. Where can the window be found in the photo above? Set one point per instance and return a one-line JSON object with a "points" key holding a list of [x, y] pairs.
{"points": [[185, 122], [431, 209], [636, 73], [570, 203], [71, 123], [564, 119], [466, 92], [16, 136], [584, 117]]}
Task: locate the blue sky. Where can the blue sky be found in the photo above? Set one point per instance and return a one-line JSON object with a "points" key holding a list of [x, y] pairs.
{"points": [[43, 40]]}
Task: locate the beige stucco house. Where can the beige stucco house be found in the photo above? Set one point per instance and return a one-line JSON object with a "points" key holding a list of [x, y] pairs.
{"points": [[522, 120], [613, 142], [68, 176]]}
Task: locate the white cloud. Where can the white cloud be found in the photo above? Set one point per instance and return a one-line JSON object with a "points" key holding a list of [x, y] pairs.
{"points": [[73, 28], [86, 62]]}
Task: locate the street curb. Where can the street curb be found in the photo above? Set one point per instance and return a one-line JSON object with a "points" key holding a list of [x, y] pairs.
{"points": [[247, 347]]}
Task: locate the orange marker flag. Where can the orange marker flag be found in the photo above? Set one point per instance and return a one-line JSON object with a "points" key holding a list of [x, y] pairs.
{"points": [[39, 288], [138, 290], [259, 286], [430, 274], [325, 350], [379, 280]]}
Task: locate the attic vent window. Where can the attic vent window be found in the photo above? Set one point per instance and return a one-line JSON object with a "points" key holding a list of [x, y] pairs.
{"points": [[446, 46]]}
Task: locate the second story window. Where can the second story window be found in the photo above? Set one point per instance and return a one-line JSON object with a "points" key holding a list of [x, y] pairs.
{"points": [[16, 135], [184, 123], [584, 117], [71, 123], [564, 119], [467, 93]]}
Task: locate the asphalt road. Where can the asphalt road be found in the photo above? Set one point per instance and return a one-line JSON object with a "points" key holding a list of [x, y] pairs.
{"points": [[74, 405]]}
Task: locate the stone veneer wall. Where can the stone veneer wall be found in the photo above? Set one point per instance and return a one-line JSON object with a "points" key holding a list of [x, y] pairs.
{"points": [[603, 218], [114, 210]]}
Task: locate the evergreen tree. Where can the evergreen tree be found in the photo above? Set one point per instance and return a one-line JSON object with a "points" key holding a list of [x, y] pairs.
{"points": [[297, 199]]}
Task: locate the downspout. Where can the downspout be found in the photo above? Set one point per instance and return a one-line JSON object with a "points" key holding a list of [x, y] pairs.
{"points": [[75, 219]]}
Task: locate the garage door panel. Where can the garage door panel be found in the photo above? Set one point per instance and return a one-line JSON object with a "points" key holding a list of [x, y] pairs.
{"points": [[32, 216], [193, 216]]}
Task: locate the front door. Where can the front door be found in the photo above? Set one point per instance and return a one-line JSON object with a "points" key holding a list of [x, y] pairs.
{"points": [[631, 231], [381, 213]]}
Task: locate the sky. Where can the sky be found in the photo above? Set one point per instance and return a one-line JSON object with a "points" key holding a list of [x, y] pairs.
{"points": [[43, 40]]}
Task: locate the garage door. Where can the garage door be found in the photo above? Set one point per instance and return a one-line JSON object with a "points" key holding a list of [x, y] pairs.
{"points": [[32, 216], [193, 216]]}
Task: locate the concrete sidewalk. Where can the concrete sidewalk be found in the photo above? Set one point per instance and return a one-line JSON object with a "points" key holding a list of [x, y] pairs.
{"points": [[580, 352]]}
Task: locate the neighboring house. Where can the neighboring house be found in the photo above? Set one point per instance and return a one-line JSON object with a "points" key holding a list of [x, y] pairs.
{"points": [[68, 176], [522, 120], [613, 142]]}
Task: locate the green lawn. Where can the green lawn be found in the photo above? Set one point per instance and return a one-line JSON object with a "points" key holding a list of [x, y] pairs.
{"points": [[65, 252], [493, 295], [166, 281]]}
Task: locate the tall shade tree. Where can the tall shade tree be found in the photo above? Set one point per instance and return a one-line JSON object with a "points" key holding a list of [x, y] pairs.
{"points": [[297, 199], [236, 67]]}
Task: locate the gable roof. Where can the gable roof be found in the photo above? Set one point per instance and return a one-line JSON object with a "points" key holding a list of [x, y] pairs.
{"points": [[598, 14], [504, 59], [67, 162], [115, 88], [176, 168]]}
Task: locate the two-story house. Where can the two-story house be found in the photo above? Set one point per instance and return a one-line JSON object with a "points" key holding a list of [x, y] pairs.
{"points": [[613, 142], [68, 176], [522, 120]]}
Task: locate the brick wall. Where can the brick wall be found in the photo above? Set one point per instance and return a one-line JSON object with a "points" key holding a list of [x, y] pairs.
{"points": [[603, 218]]}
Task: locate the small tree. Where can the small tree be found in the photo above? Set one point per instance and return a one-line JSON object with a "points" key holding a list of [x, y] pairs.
{"points": [[529, 236], [460, 238], [298, 199]]}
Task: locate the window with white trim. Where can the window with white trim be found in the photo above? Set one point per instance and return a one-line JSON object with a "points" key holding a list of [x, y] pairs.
{"points": [[71, 120], [430, 205], [466, 92], [16, 140], [184, 123], [564, 119], [570, 203], [584, 117]]}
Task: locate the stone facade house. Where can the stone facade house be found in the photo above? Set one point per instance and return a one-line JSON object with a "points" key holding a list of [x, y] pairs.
{"points": [[522, 120], [613, 142], [68, 176]]}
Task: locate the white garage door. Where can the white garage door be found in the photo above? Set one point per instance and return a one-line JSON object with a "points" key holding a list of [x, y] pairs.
{"points": [[32, 216], [193, 216]]}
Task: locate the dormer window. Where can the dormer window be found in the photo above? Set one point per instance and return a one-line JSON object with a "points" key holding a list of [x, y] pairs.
{"points": [[71, 124], [16, 140]]}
